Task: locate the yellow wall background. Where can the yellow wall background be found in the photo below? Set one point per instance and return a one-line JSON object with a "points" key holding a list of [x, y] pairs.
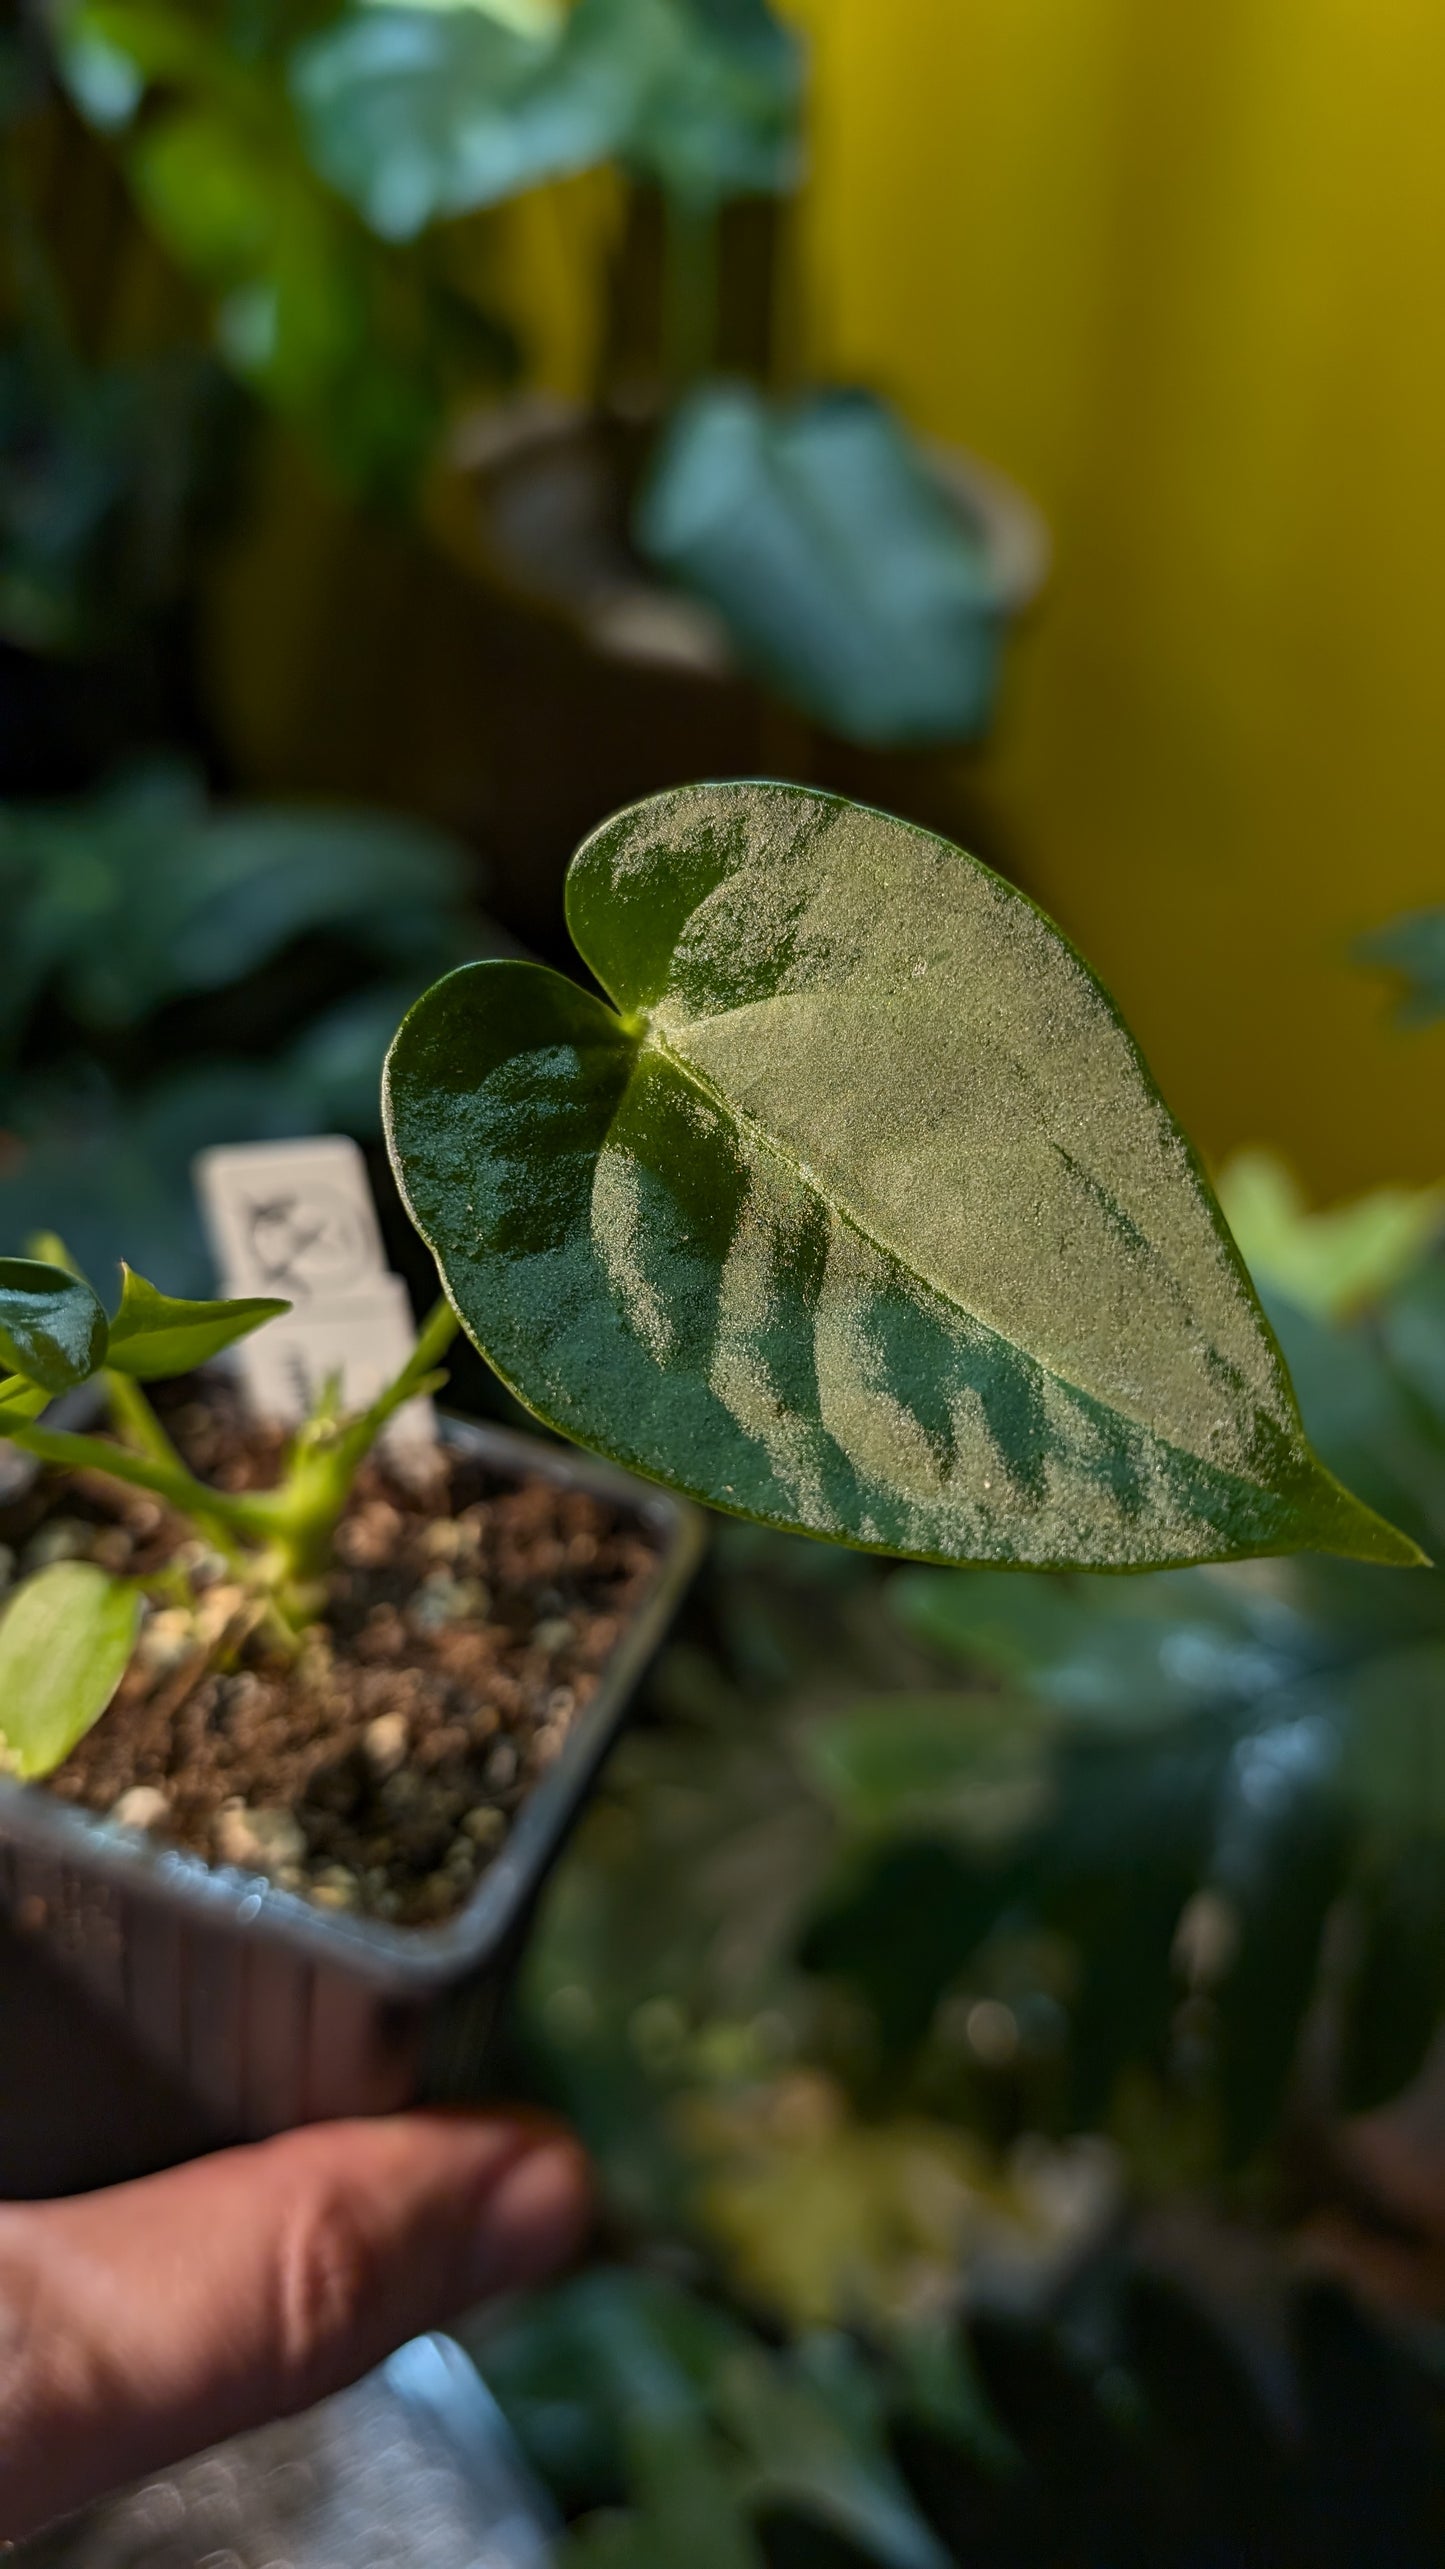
{"points": [[1179, 270]]}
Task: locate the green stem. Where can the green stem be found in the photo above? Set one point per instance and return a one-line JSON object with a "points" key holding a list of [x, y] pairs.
{"points": [[134, 1418], [292, 1524], [301, 1516], [241, 1513]]}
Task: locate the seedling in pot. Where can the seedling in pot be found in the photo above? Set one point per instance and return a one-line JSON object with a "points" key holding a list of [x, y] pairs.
{"points": [[68, 1632]]}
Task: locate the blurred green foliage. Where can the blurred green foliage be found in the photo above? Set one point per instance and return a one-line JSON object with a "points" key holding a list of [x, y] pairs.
{"points": [[845, 576], [362, 345], [1332, 1263], [324, 175], [1132, 2431], [104, 472], [935, 1918], [176, 973], [1012, 1853], [419, 113]]}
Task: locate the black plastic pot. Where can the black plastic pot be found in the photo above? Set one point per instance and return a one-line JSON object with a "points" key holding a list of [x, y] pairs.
{"points": [[267, 2012]]}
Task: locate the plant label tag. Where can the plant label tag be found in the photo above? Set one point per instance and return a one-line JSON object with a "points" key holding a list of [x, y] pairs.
{"points": [[291, 1218], [296, 1219]]}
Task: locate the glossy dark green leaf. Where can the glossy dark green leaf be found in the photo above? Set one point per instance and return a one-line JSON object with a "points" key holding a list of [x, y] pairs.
{"points": [[153, 1334], [846, 577], [1414, 948], [859, 1213], [66, 1637], [52, 1326]]}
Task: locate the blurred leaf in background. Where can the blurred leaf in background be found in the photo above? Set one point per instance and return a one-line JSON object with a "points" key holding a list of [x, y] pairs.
{"points": [[104, 475], [1334, 1262], [718, 95], [326, 177], [362, 346], [1413, 948], [417, 113], [845, 574], [177, 973]]}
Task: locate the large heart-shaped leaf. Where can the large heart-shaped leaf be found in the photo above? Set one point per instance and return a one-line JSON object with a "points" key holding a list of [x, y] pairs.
{"points": [[65, 1639], [52, 1326], [859, 1213]]}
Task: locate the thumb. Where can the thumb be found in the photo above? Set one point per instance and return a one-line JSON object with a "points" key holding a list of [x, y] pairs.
{"points": [[140, 2324]]}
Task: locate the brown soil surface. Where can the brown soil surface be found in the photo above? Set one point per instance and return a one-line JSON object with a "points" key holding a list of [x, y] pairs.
{"points": [[465, 1627]]}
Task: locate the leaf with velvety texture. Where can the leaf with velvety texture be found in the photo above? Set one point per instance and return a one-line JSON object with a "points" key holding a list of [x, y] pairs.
{"points": [[858, 1212]]}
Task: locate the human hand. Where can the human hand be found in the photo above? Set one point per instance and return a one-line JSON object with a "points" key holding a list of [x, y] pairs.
{"points": [[140, 2324]]}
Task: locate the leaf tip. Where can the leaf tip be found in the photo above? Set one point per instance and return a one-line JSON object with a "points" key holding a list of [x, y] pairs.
{"points": [[1352, 1531]]}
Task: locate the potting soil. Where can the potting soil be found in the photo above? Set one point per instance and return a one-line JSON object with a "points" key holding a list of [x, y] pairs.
{"points": [[465, 1625]]}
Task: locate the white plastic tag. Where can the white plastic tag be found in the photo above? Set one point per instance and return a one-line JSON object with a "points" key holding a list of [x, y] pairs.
{"points": [[292, 1218], [296, 1219]]}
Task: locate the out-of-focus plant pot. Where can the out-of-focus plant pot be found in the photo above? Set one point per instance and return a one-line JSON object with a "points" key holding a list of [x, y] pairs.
{"points": [[537, 501], [266, 2011]]}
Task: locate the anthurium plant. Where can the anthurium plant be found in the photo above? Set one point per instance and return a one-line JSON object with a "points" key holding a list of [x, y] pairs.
{"points": [[851, 1209]]}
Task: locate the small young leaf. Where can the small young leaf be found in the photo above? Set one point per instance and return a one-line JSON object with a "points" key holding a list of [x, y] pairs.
{"points": [[861, 1213], [52, 1326], [153, 1335], [65, 1639]]}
